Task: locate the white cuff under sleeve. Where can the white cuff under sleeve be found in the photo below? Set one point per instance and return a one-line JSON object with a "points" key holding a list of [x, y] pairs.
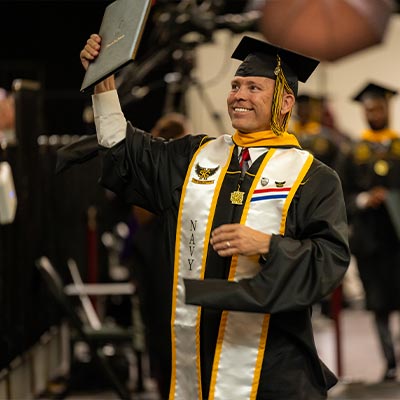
{"points": [[108, 118], [362, 200]]}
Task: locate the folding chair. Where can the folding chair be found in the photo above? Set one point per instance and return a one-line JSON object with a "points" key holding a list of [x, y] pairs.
{"points": [[92, 332]]}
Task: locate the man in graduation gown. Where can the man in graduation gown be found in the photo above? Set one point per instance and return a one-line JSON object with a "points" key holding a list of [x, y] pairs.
{"points": [[249, 250], [370, 172]]}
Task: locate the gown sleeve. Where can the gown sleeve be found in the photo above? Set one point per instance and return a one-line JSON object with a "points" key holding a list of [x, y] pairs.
{"points": [[302, 267], [148, 171], [77, 152]]}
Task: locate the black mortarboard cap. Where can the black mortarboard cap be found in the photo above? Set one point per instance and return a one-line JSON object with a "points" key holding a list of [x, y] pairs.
{"points": [[260, 59], [374, 90], [305, 97]]}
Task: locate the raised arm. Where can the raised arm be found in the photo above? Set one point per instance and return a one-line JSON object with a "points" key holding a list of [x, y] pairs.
{"points": [[88, 54]]}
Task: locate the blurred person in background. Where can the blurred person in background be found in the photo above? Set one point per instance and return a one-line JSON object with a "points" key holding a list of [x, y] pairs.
{"points": [[7, 117], [314, 126], [370, 173]]}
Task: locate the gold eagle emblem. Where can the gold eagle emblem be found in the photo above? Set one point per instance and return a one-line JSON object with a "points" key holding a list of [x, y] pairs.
{"points": [[280, 184], [205, 173]]}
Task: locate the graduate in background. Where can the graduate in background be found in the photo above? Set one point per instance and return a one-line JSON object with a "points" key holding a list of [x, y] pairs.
{"points": [[315, 129], [371, 175]]}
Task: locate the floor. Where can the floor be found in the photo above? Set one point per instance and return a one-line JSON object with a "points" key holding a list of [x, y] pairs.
{"points": [[361, 362]]}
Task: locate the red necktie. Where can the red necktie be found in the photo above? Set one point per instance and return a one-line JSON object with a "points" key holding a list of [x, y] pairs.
{"points": [[244, 159]]}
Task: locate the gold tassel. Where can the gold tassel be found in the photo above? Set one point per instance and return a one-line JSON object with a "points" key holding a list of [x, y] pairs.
{"points": [[279, 126]]}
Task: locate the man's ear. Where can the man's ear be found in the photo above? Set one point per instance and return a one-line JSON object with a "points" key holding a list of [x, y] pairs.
{"points": [[288, 101]]}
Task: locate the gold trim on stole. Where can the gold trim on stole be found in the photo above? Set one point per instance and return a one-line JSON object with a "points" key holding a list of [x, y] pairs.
{"points": [[264, 320], [174, 383]]}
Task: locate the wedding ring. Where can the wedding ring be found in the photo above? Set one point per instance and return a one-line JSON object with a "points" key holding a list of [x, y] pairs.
{"points": [[228, 245]]}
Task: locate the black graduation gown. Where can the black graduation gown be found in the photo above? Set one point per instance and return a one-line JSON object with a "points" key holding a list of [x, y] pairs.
{"points": [[373, 239], [320, 144], [301, 269]]}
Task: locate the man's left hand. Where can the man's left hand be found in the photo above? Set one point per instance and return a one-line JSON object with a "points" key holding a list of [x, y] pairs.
{"points": [[236, 239]]}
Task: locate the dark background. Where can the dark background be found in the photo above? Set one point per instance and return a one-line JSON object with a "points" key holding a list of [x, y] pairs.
{"points": [[41, 40]]}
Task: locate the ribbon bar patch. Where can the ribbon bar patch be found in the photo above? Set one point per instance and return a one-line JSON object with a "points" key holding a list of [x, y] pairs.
{"points": [[271, 193]]}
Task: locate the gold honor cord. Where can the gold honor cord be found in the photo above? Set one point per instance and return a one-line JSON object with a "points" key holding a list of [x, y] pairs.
{"points": [[278, 124]]}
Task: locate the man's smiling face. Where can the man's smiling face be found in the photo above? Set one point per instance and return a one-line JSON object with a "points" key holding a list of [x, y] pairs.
{"points": [[249, 103]]}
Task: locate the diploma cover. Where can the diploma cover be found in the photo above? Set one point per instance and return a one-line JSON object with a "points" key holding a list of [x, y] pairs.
{"points": [[121, 31]]}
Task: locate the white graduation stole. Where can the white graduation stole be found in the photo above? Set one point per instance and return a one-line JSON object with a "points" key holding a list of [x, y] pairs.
{"points": [[242, 336]]}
